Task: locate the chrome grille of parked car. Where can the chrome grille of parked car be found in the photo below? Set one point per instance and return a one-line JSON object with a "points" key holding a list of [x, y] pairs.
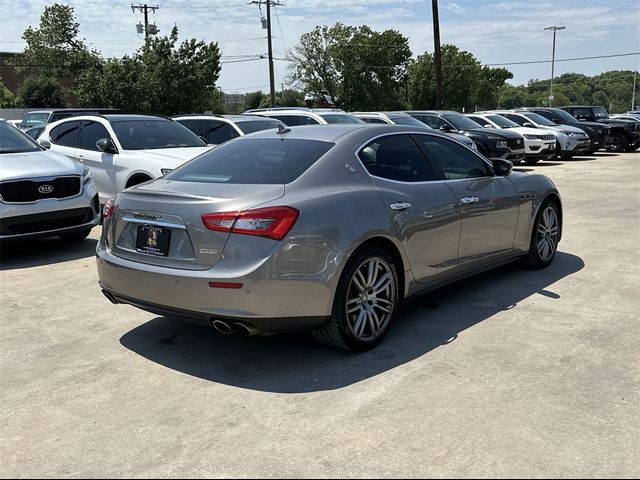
{"points": [[25, 191]]}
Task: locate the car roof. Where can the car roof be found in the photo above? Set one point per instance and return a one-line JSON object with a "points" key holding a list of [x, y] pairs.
{"points": [[232, 118], [129, 117], [50, 110], [434, 112]]}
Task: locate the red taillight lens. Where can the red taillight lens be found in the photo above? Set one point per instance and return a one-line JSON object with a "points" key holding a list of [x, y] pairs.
{"points": [[107, 211], [270, 222]]}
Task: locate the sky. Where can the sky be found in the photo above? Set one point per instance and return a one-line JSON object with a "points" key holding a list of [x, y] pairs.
{"points": [[496, 32]]}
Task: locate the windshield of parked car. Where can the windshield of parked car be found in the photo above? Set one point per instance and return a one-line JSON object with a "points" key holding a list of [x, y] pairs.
{"points": [[538, 119], [600, 112], [408, 120], [31, 119], [258, 125], [461, 122], [253, 161], [154, 133], [502, 122], [564, 116], [337, 118], [13, 140]]}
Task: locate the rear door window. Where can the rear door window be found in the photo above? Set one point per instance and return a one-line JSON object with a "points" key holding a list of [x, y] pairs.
{"points": [[253, 161], [66, 134]]}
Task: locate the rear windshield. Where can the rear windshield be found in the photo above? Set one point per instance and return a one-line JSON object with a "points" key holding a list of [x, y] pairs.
{"points": [[257, 125], [35, 118], [154, 133], [253, 161], [339, 118]]}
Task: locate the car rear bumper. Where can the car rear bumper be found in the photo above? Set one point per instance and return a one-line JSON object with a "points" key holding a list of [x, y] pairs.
{"points": [[267, 301]]}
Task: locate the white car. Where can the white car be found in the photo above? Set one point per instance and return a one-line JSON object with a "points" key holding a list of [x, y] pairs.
{"points": [[538, 144], [123, 150], [217, 129], [570, 140], [42, 194], [295, 116]]}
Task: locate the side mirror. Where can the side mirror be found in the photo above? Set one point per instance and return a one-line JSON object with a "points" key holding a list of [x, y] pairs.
{"points": [[529, 125], [446, 128], [501, 167], [106, 145], [45, 143]]}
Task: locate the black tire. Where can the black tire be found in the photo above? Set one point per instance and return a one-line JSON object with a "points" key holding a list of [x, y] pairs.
{"points": [[75, 236], [531, 161], [545, 231], [618, 143], [632, 147], [339, 332]]}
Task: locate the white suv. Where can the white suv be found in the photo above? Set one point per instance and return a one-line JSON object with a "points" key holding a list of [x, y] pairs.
{"points": [[294, 116], [217, 129], [538, 144], [123, 150]]}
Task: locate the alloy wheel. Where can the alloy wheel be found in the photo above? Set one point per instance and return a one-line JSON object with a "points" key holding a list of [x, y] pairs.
{"points": [[547, 234], [371, 299]]}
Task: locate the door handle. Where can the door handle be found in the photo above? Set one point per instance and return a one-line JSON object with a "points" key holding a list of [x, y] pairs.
{"points": [[400, 206], [468, 200], [80, 158]]}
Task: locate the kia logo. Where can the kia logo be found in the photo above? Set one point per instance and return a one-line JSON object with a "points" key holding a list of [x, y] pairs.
{"points": [[45, 189]]}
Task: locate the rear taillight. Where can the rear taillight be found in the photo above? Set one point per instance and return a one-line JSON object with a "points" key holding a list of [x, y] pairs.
{"points": [[107, 211], [270, 222]]}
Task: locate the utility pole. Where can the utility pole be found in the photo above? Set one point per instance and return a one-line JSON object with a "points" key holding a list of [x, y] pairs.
{"points": [[437, 55], [145, 9], [555, 28], [272, 82], [633, 95]]}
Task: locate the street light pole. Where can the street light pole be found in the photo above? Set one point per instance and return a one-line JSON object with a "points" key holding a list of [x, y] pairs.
{"points": [[555, 28]]}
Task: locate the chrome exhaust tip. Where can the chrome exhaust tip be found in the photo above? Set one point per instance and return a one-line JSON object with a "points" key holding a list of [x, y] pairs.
{"points": [[245, 330], [110, 297], [222, 327]]}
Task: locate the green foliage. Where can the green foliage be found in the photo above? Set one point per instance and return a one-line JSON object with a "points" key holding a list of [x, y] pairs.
{"points": [[467, 84], [360, 68], [54, 50], [7, 99], [612, 90], [252, 99], [162, 78], [41, 92], [285, 98]]}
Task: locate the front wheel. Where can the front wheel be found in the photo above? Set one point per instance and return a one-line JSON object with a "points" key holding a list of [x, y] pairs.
{"points": [[618, 143], [365, 302], [545, 236]]}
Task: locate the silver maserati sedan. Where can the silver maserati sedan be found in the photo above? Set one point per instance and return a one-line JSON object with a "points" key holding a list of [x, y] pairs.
{"points": [[324, 228]]}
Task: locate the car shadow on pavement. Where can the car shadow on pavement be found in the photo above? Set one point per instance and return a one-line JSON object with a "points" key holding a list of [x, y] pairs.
{"points": [[296, 363], [46, 251]]}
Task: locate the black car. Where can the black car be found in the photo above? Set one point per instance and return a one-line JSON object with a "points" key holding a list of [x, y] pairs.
{"points": [[599, 133], [625, 134], [491, 142]]}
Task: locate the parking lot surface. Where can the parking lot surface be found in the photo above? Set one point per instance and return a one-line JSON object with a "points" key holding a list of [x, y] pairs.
{"points": [[511, 373]]}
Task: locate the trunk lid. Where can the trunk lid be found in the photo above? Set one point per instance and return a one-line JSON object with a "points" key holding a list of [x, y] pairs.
{"points": [[160, 223]]}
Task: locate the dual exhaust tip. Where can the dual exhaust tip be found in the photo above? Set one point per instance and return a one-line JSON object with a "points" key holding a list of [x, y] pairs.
{"points": [[237, 328], [221, 326]]}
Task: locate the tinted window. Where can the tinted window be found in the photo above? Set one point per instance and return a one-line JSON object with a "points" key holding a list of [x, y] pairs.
{"points": [[546, 114], [34, 119], [218, 132], [373, 120], [253, 161], [432, 120], [153, 134], [538, 120], [460, 121], [520, 120], [455, 160], [408, 120], [66, 134], [565, 116], [13, 140], [60, 116], [396, 157], [295, 120], [91, 133], [479, 120], [34, 132], [258, 125], [199, 127], [502, 121]]}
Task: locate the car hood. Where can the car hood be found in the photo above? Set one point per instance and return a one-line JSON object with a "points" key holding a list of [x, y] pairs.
{"points": [[14, 166], [497, 132], [566, 128], [170, 157]]}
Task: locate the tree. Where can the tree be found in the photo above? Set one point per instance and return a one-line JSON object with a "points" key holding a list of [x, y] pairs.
{"points": [[7, 99], [162, 77], [53, 49], [362, 69], [252, 99], [285, 98], [41, 92]]}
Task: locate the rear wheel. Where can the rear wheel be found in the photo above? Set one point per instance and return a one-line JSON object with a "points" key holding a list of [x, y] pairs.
{"points": [[545, 236], [632, 148], [365, 302], [618, 143], [76, 236]]}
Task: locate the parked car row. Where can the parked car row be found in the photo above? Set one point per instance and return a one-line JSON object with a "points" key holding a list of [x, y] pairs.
{"points": [[270, 207]]}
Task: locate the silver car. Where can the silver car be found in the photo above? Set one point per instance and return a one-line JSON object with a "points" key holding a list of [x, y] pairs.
{"points": [[42, 193], [325, 228]]}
